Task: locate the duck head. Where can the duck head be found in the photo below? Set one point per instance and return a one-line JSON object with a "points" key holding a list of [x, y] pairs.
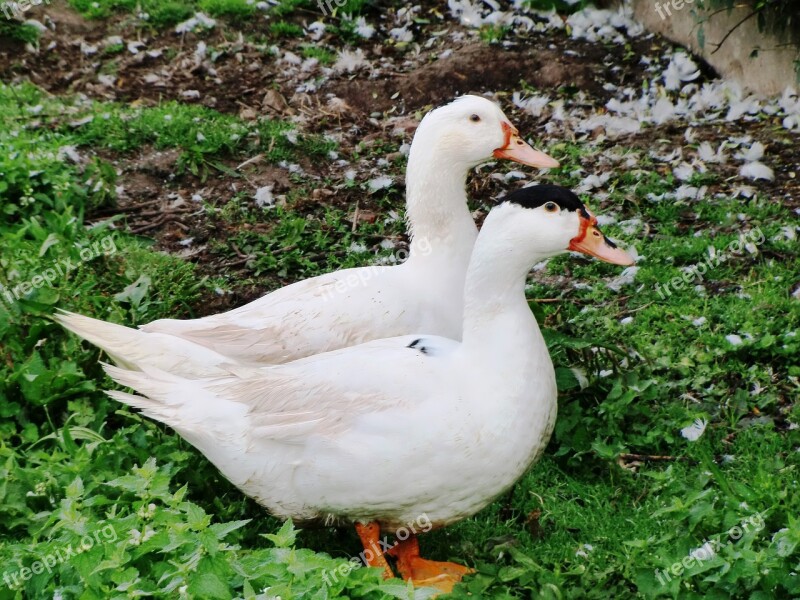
{"points": [[549, 220], [472, 130]]}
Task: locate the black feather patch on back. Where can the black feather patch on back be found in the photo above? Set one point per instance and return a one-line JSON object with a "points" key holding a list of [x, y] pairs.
{"points": [[537, 195], [417, 345]]}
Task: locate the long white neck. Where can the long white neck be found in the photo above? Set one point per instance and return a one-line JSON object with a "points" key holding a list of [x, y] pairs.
{"points": [[438, 217], [496, 313]]}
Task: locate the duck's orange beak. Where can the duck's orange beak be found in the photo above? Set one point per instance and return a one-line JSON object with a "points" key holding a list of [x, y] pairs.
{"points": [[591, 241], [520, 151]]}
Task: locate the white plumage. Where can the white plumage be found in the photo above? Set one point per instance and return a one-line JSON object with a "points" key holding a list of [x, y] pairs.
{"points": [[394, 428], [351, 306]]}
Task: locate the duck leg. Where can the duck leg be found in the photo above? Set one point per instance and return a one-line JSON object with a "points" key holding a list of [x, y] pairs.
{"points": [[373, 555], [422, 572]]}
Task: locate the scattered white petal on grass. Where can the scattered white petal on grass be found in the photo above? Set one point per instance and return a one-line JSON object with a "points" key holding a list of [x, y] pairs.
{"points": [[614, 127], [681, 68], [634, 253], [695, 430], [540, 265], [757, 170], [584, 550], [792, 122], [689, 192], [364, 29], [291, 58], [186, 242], [264, 196], [626, 321], [745, 191], [707, 154], [197, 198], [753, 154], [704, 552], [606, 219], [357, 248], [631, 226], [401, 34], [379, 183], [83, 121], [38, 25], [198, 20], [467, 13], [739, 108], [683, 171], [107, 80], [740, 140], [580, 376], [699, 322], [625, 278], [350, 61], [133, 47], [69, 152], [663, 111], [733, 339], [533, 105], [594, 24], [316, 30], [392, 217], [593, 181], [113, 40], [788, 232]]}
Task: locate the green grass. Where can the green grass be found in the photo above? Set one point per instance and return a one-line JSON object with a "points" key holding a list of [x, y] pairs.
{"points": [[19, 32], [166, 14], [160, 15]]}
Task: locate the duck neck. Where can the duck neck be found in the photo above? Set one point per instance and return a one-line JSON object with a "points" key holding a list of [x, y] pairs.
{"points": [[438, 217], [496, 312]]}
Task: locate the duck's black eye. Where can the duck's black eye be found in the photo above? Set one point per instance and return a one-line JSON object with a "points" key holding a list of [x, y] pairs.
{"points": [[474, 118], [551, 207]]}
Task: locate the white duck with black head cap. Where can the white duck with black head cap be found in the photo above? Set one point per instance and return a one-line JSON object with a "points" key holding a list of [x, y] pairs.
{"points": [[380, 433]]}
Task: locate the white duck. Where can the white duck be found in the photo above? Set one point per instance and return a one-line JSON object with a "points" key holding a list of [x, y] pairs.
{"points": [[350, 306], [385, 432]]}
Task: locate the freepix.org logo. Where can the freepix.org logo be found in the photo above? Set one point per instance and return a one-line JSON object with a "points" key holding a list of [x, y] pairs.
{"points": [[17, 10]]}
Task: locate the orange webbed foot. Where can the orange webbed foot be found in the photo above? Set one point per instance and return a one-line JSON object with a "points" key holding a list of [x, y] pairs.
{"points": [[422, 572], [370, 539]]}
